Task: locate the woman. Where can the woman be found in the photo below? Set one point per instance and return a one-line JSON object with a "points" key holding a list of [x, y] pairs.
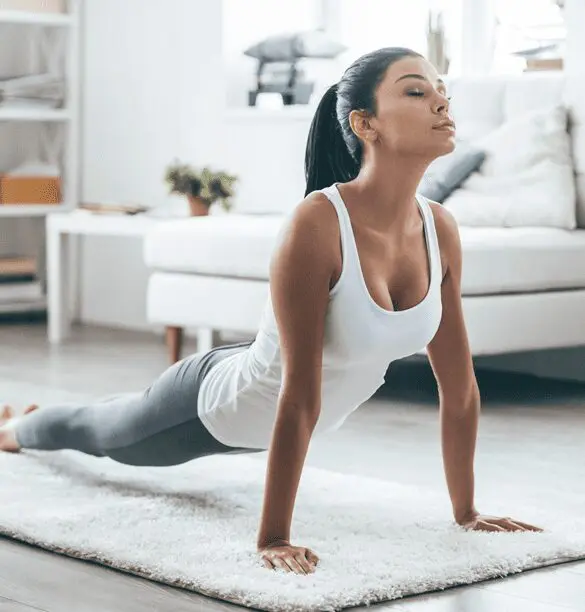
{"points": [[364, 272]]}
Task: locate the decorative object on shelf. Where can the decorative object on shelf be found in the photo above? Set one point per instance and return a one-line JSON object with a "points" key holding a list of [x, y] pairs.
{"points": [[278, 57], [113, 209], [543, 57], [33, 183], [436, 42], [35, 90], [202, 187]]}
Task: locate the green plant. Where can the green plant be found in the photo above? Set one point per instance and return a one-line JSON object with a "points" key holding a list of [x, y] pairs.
{"points": [[206, 184]]}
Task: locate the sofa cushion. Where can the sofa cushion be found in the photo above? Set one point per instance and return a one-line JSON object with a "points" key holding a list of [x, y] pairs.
{"points": [[527, 178], [223, 245], [521, 259], [495, 260], [446, 173]]}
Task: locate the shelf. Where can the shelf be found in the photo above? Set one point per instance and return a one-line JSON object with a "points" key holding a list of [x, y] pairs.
{"points": [[23, 306], [31, 210], [27, 17], [29, 113]]}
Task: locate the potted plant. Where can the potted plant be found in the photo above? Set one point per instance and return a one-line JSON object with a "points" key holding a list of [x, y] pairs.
{"points": [[201, 187]]}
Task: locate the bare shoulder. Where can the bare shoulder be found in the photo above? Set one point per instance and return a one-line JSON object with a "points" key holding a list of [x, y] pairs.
{"points": [[300, 272], [447, 233], [312, 226], [315, 210]]}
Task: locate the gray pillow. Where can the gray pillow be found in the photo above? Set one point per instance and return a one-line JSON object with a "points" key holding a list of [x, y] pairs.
{"points": [[445, 174], [288, 47]]}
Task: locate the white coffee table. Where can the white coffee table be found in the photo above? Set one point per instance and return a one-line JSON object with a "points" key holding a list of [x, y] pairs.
{"points": [[62, 262]]}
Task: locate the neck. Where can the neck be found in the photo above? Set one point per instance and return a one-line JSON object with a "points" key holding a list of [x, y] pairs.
{"points": [[387, 188]]}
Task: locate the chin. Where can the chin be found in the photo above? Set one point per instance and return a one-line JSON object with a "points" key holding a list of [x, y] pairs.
{"points": [[444, 148]]}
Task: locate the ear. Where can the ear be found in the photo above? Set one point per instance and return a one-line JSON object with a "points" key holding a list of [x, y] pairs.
{"points": [[361, 124]]}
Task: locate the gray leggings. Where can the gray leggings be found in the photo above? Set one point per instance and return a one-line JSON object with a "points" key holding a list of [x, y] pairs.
{"points": [[157, 427]]}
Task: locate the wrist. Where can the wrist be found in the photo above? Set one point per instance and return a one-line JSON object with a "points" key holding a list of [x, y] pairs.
{"points": [[464, 515], [263, 543]]}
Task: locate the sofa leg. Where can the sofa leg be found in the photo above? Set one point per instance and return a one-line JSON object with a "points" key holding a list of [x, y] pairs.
{"points": [[207, 338], [174, 338]]}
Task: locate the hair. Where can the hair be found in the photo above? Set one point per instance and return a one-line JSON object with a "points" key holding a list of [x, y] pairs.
{"points": [[334, 153]]}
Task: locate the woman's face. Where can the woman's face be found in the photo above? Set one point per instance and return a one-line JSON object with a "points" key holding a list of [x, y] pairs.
{"points": [[412, 111]]}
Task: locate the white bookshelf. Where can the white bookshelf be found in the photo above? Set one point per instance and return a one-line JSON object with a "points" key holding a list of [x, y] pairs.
{"points": [[53, 42], [34, 26]]}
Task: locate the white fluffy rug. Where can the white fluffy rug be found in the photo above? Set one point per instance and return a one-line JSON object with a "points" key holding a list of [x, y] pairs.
{"points": [[195, 526]]}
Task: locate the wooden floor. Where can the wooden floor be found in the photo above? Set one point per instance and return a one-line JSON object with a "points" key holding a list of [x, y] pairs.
{"points": [[531, 436]]}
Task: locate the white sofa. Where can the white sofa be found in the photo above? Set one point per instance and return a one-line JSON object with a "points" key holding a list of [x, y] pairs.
{"points": [[523, 287]]}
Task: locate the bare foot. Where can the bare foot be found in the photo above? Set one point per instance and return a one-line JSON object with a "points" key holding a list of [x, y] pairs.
{"points": [[31, 408], [8, 441]]}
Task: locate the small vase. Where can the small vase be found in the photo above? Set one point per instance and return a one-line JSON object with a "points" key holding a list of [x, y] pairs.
{"points": [[198, 207]]}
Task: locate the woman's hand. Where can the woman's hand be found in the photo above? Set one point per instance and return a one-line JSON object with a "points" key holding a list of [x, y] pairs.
{"points": [[482, 522], [289, 558]]}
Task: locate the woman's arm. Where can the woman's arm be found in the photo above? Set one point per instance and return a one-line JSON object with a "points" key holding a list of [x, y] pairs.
{"points": [[300, 272], [452, 364], [450, 357]]}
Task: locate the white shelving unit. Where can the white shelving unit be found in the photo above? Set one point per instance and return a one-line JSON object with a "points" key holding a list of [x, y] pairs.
{"points": [[53, 44], [38, 27]]}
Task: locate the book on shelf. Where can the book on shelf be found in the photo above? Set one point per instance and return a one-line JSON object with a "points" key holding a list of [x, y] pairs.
{"points": [[20, 291], [17, 266], [11, 308], [18, 280]]}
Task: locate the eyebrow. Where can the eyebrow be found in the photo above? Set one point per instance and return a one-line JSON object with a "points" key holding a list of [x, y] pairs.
{"points": [[420, 77]]}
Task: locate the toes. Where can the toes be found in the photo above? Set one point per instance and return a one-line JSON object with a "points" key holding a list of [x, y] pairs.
{"points": [[30, 408], [6, 413]]}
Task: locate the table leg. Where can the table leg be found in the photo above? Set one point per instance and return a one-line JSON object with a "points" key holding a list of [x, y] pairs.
{"points": [[174, 340], [207, 338], [57, 284]]}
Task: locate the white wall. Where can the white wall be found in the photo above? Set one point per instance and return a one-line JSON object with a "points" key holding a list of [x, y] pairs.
{"points": [[151, 92]]}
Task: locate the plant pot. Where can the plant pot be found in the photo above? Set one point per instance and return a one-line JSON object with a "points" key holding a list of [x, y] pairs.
{"points": [[198, 207]]}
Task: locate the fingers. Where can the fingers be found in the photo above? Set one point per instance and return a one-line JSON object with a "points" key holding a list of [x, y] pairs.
{"points": [[482, 525], [299, 561], [504, 524], [308, 567], [279, 563], [294, 565], [528, 527], [311, 557], [507, 524], [510, 524]]}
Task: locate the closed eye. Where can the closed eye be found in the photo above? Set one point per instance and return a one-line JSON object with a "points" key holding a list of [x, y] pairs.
{"points": [[417, 93]]}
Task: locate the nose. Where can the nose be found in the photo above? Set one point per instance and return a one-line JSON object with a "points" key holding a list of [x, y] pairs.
{"points": [[441, 104]]}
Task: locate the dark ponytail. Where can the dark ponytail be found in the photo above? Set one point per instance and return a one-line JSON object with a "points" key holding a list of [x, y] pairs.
{"points": [[334, 153], [327, 158]]}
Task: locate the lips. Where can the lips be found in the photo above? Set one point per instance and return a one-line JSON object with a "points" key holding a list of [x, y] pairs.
{"points": [[446, 125]]}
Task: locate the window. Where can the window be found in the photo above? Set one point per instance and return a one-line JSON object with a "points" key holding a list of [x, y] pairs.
{"points": [[361, 25], [539, 28], [365, 25], [246, 22]]}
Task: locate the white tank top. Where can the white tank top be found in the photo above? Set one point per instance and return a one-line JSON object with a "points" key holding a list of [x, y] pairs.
{"points": [[238, 397]]}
